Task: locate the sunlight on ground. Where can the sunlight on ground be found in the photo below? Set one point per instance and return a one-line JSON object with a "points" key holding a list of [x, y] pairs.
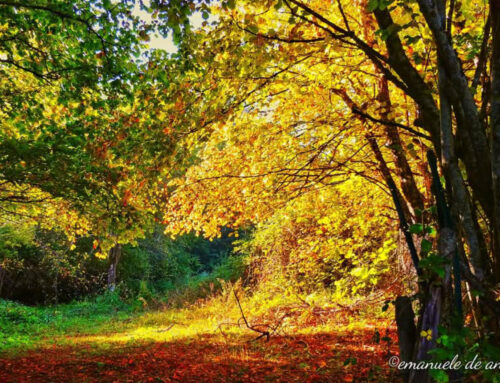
{"points": [[193, 324], [208, 342]]}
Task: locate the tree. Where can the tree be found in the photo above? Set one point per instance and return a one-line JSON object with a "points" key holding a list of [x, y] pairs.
{"points": [[76, 117], [61, 61], [298, 94]]}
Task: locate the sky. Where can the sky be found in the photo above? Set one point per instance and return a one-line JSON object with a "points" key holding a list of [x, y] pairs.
{"points": [[159, 42]]}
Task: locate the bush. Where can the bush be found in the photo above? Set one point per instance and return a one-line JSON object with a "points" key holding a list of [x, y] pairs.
{"points": [[39, 267], [326, 240]]}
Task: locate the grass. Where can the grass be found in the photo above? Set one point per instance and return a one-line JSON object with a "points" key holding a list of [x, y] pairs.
{"points": [[107, 319], [25, 327], [107, 339]]}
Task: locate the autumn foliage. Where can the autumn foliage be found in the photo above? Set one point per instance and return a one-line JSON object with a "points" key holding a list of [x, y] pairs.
{"points": [[322, 160]]}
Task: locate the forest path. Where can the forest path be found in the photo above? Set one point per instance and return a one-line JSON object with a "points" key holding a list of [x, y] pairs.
{"points": [[310, 354]]}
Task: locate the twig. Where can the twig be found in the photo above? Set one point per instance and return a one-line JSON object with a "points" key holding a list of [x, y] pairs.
{"points": [[261, 332], [167, 328]]}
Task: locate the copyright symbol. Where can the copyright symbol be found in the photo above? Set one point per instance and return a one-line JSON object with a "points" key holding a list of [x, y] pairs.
{"points": [[394, 361]]}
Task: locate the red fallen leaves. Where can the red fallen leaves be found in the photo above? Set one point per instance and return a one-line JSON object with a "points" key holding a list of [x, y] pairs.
{"points": [[314, 358]]}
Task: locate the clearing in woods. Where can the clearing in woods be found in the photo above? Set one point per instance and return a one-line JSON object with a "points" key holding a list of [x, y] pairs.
{"points": [[198, 344]]}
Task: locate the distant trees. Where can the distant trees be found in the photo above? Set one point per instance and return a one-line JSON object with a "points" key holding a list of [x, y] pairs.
{"points": [[36, 265]]}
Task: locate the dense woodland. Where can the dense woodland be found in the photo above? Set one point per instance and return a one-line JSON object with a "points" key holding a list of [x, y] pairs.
{"points": [[296, 190]]}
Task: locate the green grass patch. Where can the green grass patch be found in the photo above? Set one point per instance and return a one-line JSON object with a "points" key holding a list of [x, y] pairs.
{"points": [[23, 327]]}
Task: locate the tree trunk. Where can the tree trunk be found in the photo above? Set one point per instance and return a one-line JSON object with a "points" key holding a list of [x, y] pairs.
{"points": [[407, 332], [113, 257], [495, 130], [437, 305], [456, 88], [2, 278]]}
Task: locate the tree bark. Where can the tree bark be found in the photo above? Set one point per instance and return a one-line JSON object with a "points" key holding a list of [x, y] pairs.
{"points": [[417, 88], [113, 257], [476, 160], [437, 305], [407, 331], [495, 130]]}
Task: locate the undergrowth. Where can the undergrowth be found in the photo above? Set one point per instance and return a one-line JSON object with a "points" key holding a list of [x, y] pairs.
{"points": [[207, 309]]}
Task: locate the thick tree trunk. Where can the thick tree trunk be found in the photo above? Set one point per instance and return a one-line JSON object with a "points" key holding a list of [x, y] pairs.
{"points": [[459, 193], [417, 88], [437, 306], [476, 158], [407, 332], [495, 130], [113, 257], [438, 293]]}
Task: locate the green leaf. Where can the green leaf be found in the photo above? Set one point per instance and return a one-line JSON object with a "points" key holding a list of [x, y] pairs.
{"points": [[425, 246], [476, 293], [352, 361], [444, 340], [430, 230], [253, 28], [383, 4], [439, 375], [372, 5], [417, 228], [411, 39]]}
